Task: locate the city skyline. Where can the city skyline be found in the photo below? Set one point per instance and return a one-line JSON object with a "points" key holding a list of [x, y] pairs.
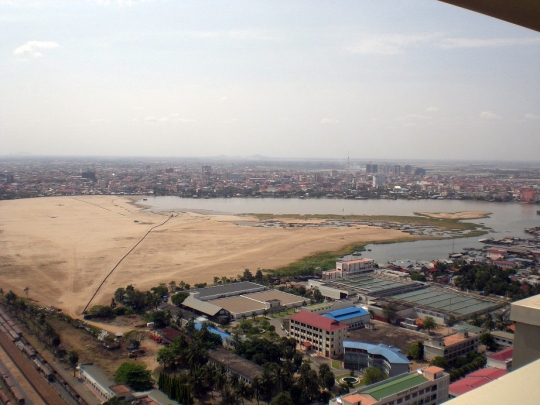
{"points": [[377, 80]]}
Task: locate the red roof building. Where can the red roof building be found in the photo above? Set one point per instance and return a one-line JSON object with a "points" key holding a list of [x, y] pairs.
{"points": [[475, 380], [501, 360], [324, 334]]}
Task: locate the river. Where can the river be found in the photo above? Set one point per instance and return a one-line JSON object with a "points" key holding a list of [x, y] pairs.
{"points": [[506, 218]]}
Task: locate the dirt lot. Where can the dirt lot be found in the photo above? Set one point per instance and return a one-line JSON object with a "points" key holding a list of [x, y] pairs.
{"points": [[62, 248], [388, 334]]}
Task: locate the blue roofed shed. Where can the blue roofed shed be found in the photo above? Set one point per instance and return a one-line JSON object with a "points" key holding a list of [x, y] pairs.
{"points": [[354, 317]]}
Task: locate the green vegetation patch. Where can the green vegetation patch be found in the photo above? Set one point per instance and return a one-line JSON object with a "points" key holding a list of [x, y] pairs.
{"points": [[392, 387]]}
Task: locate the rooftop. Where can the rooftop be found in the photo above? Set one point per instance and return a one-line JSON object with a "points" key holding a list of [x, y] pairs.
{"points": [[236, 363], [475, 380], [201, 306], [456, 338], [222, 289], [395, 385], [518, 387], [285, 298], [346, 313], [318, 321], [97, 374], [392, 354], [240, 304], [503, 355]]}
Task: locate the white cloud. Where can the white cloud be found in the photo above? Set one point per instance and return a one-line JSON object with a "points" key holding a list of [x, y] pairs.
{"points": [[223, 98], [231, 121], [98, 120], [122, 2], [31, 47], [417, 116], [488, 115], [450, 43], [391, 44], [151, 119], [397, 44], [329, 121], [532, 117], [432, 109], [242, 35]]}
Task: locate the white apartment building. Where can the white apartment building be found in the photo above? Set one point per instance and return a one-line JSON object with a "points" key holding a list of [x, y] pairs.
{"points": [[349, 268]]}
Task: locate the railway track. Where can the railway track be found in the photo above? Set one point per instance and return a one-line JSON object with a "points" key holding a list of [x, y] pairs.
{"points": [[42, 387]]}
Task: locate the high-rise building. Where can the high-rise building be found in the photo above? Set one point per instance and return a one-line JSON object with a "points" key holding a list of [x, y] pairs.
{"points": [[206, 170], [378, 179], [408, 170], [396, 170], [372, 168]]}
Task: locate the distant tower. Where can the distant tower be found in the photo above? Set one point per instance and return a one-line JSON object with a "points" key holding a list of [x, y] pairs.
{"points": [[89, 174], [206, 170]]}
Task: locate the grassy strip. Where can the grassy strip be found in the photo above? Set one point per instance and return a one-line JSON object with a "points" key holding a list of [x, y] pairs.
{"points": [[443, 223], [321, 261], [336, 364]]}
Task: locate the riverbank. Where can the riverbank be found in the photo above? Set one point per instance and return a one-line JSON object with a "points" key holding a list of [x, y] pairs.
{"points": [[62, 248]]}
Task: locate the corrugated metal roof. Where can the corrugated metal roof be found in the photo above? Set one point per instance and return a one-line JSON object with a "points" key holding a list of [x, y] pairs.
{"points": [[392, 354], [318, 321], [346, 313], [201, 306], [222, 289]]}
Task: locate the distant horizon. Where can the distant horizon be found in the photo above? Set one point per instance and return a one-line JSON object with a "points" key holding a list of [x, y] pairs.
{"points": [[377, 79], [255, 158]]}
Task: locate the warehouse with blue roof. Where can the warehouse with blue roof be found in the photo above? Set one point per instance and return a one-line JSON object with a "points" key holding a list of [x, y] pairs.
{"points": [[354, 317], [388, 359]]}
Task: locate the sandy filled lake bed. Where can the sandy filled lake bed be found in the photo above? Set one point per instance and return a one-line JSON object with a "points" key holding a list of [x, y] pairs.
{"points": [[62, 248]]}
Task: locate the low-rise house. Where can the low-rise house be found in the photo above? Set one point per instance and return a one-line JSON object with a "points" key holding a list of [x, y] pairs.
{"points": [[503, 339], [451, 347], [101, 385], [359, 355], [501, 360], [474, 380], [245, 369]]}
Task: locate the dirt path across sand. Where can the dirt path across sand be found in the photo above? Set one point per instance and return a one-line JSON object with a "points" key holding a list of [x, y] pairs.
{"points": [[62, 248]]}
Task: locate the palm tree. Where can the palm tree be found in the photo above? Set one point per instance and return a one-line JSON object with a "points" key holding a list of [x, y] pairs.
{"points": [[257, 385], [244, 391], [228, 396], [73, 358], [268, 382]]}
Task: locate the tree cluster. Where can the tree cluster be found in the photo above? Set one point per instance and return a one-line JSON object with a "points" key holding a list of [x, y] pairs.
{"points": [[135, 376], [466, 365], [494, 280], [175, 389], [416, 350]]}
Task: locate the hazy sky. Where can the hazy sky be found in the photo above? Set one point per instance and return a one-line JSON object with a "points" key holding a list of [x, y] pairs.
{"points": [[372, 78]]}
